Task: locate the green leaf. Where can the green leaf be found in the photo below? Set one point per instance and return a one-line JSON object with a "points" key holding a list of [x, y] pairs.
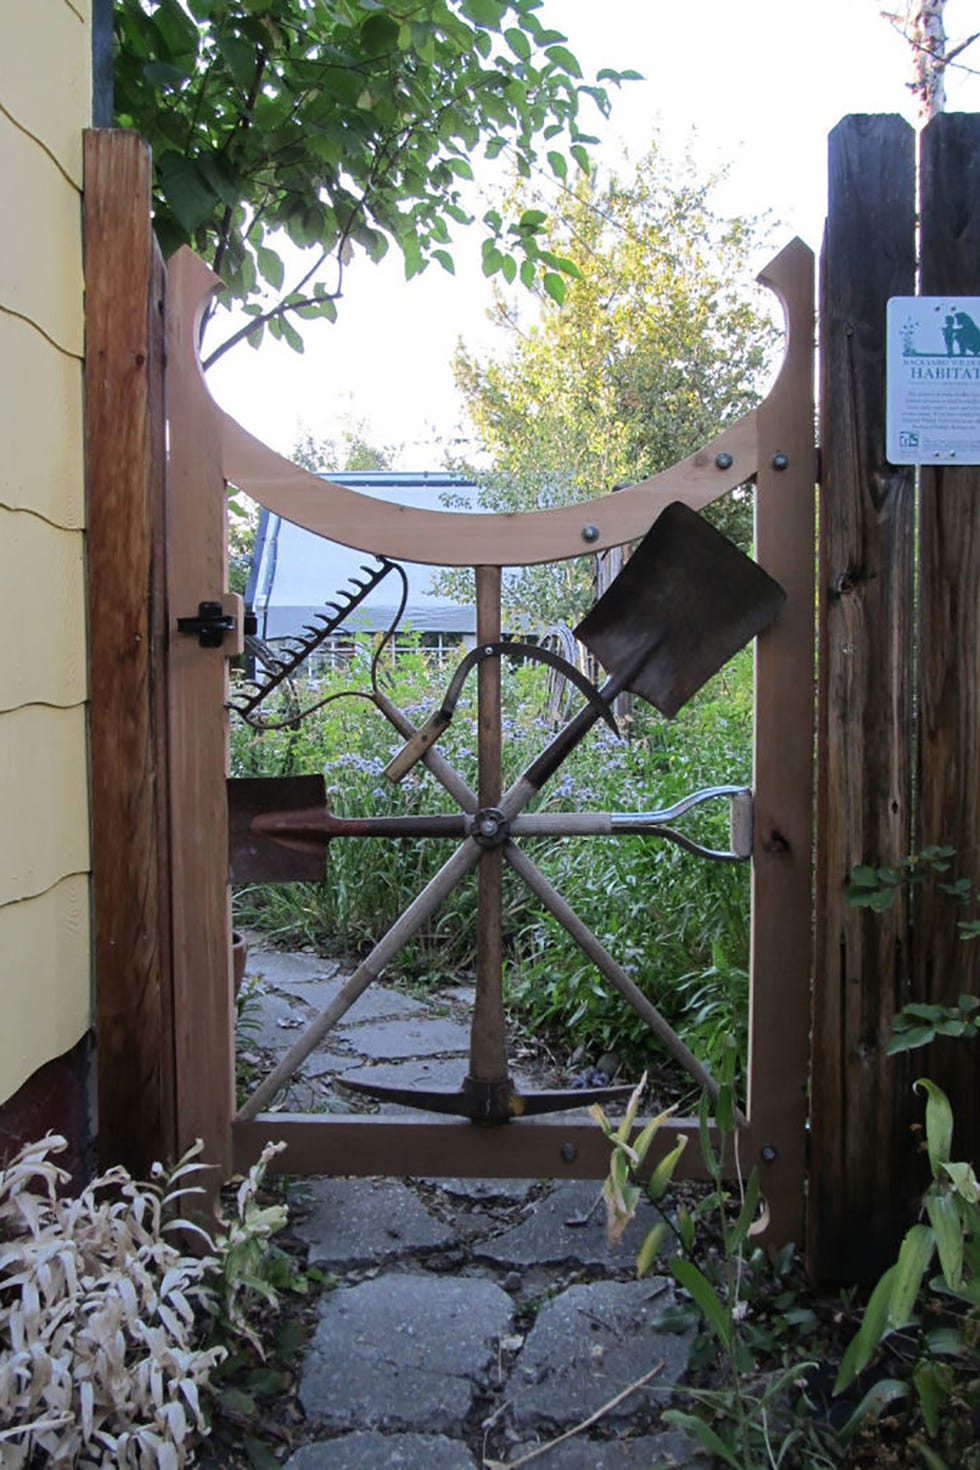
{"points": [[558, 163], [518, 43], [186, 191], [561, 56], [290, 335], [750, 1208], [483, 12], [869, 1334], [236, 1401], [963, 1180], [944, 1218], [705, 1298], [908, 1040], [939, 1123], [914, 1255], [932, 1383], [259, 1457], [931, 1460], [711, 1440], [663, 1173], [650, 1248], [270, 266], [878, 1397], [493, 258], [445, 260]]}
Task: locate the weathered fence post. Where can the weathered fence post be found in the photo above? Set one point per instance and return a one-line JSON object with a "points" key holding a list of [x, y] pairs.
{"points": [[865, 611], [949, 634], [124, 337]]}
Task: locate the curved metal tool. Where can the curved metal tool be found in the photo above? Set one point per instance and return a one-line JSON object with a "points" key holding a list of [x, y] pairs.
{"points": [[487, 1102], [414, 749]]}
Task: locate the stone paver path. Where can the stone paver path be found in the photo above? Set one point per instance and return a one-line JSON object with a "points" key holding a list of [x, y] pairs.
{"points": [[469, 1323]]}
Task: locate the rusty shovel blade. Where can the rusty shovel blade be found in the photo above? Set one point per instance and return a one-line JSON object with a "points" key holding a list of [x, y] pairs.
{"points": [[691, 598], [258, 857]]}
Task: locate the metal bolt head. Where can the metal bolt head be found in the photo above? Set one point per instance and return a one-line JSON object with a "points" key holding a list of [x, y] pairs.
{"points": [[724, 461], [569, 1153], [590, 533], [768, 1153], [779, 461]]}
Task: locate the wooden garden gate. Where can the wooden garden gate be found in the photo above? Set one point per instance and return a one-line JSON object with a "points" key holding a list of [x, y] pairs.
{"points": [[181, 1052]]}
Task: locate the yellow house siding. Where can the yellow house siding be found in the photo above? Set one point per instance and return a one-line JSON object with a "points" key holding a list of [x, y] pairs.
{"points": [[44, 79], [50, 934], [45, 956], [45, 662], [40, 254], [40, 471], [43, 798]]}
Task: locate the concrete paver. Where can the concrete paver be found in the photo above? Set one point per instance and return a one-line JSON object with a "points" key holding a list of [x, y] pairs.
{"points": [[545, 1237], [367, 1221], [372, 1451], [587, 1346], [403, 1352], [385, 1041], [375, 1004]]}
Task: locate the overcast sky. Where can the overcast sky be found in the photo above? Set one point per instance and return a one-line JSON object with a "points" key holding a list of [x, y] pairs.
{"points": [[754, 87]]}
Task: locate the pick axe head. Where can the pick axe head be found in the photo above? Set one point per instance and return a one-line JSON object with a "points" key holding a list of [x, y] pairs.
{"points": [[690, 599]]}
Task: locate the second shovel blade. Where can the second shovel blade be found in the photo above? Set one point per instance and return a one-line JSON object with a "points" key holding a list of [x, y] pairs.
{"points": [[690, 597]]}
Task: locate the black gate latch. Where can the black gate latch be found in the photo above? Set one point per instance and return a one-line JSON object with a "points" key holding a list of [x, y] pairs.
{"points": [[210, 625]]}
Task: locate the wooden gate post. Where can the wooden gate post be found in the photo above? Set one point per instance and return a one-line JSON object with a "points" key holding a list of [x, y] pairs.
{"points": [[949, 636], [124, 288], [865, 602], [196, 565]]}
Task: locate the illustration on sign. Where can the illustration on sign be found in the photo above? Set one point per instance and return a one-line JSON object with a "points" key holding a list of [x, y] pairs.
{"points": [[933, 375]]}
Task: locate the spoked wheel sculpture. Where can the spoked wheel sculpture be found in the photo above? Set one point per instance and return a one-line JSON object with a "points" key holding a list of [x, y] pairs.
{"points": [[686, 601]]}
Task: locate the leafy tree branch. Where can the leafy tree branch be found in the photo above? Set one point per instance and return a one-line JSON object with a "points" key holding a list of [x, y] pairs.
{"points": [[343, 125]]}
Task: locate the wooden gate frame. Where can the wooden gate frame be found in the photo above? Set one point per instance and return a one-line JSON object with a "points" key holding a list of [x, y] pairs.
{"points": [[773, 445]]}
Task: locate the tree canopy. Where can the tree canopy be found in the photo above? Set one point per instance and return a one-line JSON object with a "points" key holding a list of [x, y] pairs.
{"points": [[344, 125], [659, 344]]}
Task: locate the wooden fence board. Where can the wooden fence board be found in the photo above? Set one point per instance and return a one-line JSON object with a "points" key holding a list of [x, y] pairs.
{"points": [[949, 632], [127, 622], [865, 624]]}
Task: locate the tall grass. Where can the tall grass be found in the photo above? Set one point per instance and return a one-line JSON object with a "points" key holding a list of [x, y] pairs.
{"points": [[678, 924]]}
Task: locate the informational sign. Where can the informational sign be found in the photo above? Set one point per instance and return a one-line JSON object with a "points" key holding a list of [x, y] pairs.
{"points": [[933, 376]]}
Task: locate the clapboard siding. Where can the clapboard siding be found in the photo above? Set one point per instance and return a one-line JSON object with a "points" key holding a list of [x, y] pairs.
{"points": [[40, 243], [42, 471], [45, 662], [43, 799], [44, 79], [51, 1002], [45, 957]]}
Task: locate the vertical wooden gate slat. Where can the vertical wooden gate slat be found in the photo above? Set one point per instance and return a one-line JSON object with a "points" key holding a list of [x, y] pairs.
{"points": [[204, 1032], [124, 287], [867, 513], [783, 778], [949, 630]]}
